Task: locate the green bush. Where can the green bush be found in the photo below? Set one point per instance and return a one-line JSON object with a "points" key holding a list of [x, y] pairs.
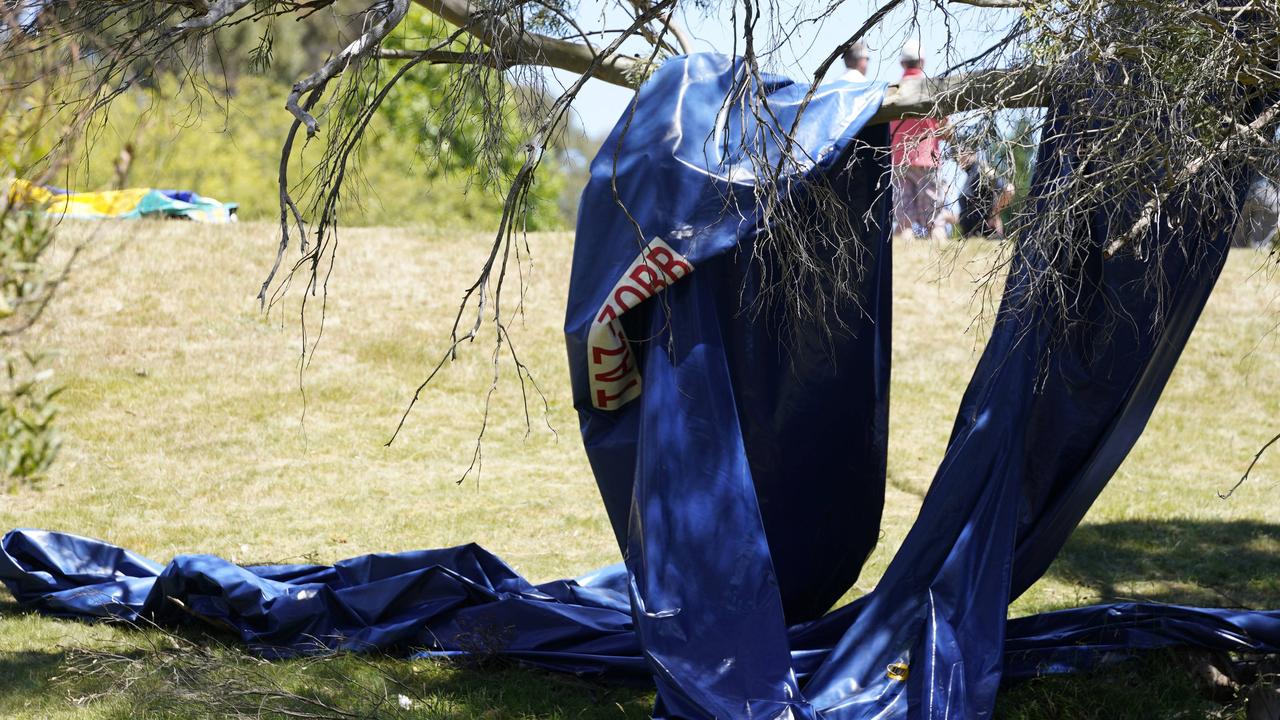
{"points": [[229, 148], [29, 441], [438, 152]]}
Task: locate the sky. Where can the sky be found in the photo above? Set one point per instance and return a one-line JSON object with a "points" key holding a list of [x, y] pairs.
{"points": [[971, 30]]}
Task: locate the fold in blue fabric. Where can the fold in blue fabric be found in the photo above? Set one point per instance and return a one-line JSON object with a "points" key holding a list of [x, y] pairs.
{"points": [[740, 448], [474, 603]]}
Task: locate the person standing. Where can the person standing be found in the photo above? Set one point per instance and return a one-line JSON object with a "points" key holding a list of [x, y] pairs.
{"points": [[856, 58], [917, 197], [985, 197], [1259, 216]]}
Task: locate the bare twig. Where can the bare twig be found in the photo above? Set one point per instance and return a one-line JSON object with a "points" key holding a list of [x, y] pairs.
{"points": [[1262, 450], [212, 14], [517, 46], [1185, 174], [364, 45], [1003, 4]]}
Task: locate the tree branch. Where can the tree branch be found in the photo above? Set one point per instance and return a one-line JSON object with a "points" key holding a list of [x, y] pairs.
{"points": [[1243, 478], [366, 44], [913, 97], [213, 14], [443, 57], [917, 97], [516, 46], [1149, 209], [669, 25], [991, 3], [682, 35]]}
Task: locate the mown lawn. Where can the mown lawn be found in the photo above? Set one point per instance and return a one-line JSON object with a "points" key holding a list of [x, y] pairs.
{"points": [[187, 431]]}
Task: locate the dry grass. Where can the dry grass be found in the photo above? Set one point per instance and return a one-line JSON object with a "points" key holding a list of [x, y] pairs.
{"points": [[186, 420], [185, 428]]}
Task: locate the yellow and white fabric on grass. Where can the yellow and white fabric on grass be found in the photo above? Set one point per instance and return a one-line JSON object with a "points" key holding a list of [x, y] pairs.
{"points": [[120, 204]]}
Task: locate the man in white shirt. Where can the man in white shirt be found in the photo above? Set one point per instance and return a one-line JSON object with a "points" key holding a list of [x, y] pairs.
{"points": [[855, 58]]}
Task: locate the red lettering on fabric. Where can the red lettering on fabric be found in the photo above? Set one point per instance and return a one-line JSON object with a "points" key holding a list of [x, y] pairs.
{"points": [[669, 262], [620, 296], [605, 401], [613, 376]]}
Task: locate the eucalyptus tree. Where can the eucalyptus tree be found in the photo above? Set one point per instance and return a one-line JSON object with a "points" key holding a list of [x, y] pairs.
{"points": [[1160, 97]]}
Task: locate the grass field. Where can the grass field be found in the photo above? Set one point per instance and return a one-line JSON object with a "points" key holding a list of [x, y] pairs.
{"points": [[186, 432]]}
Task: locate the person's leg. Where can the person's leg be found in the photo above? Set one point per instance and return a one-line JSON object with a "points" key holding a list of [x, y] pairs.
{"points": [[911, 218], [1003, 197], [929, 207], [970, 222], [902, 201], [911, 199], [1002, 200]]}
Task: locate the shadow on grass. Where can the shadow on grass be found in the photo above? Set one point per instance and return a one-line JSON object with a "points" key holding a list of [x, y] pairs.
{"points": [[1182, 561], [188, 673], [25, 675], [1151, 687], [1188, 562], [1179, 561], [190, 676]]}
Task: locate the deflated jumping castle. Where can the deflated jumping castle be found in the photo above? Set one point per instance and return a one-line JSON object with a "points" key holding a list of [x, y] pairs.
{"points": [[742, 464]]}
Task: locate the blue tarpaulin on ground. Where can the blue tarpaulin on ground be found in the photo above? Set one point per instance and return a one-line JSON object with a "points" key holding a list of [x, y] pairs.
{"points": [[741, 459]]}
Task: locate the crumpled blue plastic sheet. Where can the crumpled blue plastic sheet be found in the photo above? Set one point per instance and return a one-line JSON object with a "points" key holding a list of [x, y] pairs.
{"points": [[464, 600], [742, 463], [727, 454], [453, 599], [1051, 412]]}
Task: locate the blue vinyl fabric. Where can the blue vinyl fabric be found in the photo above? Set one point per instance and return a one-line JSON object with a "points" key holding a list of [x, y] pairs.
{"points": [[742, 466], [438, 602], [684, 180], [1053, 408], [435, 599], [736, 433]]}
